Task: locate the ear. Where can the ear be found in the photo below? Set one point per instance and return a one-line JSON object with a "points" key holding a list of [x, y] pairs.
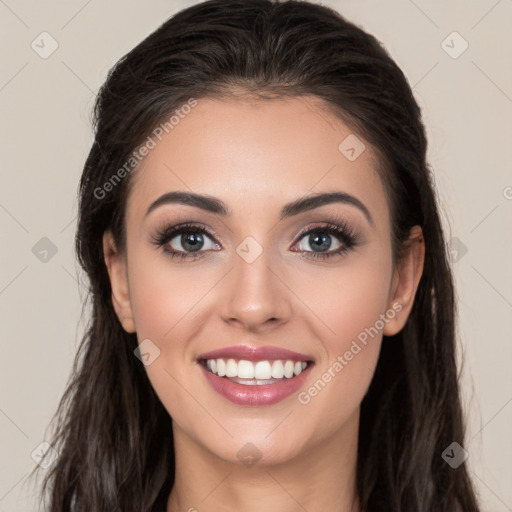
{"points": [[405, 281], [117, 271]]}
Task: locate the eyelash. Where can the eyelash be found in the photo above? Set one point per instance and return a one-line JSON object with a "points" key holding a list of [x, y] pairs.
{"points": [[348, 237]]}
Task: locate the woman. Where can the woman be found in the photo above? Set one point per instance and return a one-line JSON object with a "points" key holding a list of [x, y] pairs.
{"points": [[272, 307]]}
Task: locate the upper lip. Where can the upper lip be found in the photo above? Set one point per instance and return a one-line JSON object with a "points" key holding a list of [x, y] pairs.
{"points": [[253, 354]]}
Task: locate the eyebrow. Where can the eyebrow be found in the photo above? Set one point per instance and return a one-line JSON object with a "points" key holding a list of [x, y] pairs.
{"points": [[217, 206]]}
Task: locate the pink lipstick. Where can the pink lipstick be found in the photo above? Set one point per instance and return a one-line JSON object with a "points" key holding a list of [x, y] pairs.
{"points": [[252, 376]]}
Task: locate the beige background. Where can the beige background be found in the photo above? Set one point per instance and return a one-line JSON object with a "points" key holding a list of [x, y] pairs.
{"points": [[45, 109]]}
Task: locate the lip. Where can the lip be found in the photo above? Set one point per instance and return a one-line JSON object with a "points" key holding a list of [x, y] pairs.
{"points": [[255, 354], [254, 395]]}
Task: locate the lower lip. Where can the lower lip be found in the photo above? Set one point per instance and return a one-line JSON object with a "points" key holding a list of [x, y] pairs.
{"points": [[267, 394]]}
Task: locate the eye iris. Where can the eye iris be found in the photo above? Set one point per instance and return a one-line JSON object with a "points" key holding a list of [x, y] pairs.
{"points": [[319, 239], [192, 241]]}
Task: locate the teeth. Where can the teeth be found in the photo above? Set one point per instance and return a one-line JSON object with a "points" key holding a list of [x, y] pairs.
{"points": [[278, 370], [221, 367], [231, 368], [245, 370], [288, 369], [259, 371], [262, 370]]}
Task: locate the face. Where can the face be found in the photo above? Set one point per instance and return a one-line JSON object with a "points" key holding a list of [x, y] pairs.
{"points": [[247, 278]]}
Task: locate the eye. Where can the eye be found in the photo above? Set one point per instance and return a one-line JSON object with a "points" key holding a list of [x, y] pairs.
{"points": [[328, 240], [185, 241], [192, 241]]}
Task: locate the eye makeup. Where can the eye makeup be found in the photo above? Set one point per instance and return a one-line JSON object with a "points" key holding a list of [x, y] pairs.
{"points": [[194, 234]]}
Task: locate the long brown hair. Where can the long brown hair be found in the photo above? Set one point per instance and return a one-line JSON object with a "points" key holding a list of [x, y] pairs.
{"points": [[113, 435]]}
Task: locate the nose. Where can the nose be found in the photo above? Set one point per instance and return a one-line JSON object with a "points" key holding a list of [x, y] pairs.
{"points": [[254, 296]]}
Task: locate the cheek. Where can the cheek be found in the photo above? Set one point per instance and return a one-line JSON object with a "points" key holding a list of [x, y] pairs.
{"points": [[168, 302], [164, 298], [164, 301], [350, 305], [347, 299]]}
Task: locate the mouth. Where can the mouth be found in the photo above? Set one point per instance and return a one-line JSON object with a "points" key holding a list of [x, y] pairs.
{"points": [[247, 376]]}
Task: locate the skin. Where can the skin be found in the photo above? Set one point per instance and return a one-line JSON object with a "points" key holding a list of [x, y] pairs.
{"points": [[256, 156]]}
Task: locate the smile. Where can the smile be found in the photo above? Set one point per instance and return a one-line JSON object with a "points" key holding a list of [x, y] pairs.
{"points": [[248, 376]]}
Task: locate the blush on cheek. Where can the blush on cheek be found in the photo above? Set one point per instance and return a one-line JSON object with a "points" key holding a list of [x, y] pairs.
{"points": [[162, 300], [347, 308]]}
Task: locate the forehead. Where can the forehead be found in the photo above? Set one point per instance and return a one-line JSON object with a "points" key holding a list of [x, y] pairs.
{"points": [[251, 153]]}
